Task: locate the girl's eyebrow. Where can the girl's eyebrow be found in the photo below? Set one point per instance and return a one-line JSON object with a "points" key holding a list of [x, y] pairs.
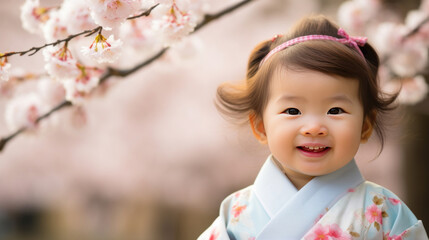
{"points": [[290, 98], [340, 98]]}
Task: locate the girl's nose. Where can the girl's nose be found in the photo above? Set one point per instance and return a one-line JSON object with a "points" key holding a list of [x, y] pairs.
{"points": [[314, 129]]}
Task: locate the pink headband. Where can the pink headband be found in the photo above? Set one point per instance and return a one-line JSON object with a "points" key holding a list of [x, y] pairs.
{"points": [[351, 41]]}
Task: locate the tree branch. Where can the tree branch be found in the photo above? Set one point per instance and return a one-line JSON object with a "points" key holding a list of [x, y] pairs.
{"points": [[87, 33], [34, 50], [416, 29], [145, 13], [123, 73]]}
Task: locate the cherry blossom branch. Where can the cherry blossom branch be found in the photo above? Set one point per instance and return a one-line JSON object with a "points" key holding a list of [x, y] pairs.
{"points": [[413, 31], [210, 17], [86, 33], [34, 50], [416, 29], [145, 13], [123, 73]]}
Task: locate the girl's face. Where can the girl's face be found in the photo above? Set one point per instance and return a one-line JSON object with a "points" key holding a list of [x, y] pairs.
{"points": [[312, 123]]}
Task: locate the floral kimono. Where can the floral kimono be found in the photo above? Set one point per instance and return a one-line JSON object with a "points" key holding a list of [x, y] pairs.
{"points": [[340, 205]]}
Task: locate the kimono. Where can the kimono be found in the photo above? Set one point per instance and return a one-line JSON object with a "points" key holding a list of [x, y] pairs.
{"points": [[340, 205]]}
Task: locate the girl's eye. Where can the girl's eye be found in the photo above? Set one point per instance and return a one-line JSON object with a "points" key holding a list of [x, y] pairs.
{"points": [[336, 110], [292, 111]]}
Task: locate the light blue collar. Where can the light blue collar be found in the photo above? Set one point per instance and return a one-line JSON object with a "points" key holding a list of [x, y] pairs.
{"points": [[294, 212]]}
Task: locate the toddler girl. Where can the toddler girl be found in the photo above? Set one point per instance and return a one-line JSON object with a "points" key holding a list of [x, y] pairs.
{"points": [[312, 97]]}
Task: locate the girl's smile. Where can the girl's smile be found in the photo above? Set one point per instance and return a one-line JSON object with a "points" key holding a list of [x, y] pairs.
{"points": [[313, 149]]}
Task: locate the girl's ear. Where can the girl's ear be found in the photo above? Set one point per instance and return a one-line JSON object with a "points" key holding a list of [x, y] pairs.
{"points": [[367, 127], [258, 128]]}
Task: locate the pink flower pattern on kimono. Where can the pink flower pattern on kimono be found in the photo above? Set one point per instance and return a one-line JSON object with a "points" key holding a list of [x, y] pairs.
{"points": [[214, 235], [394, 201], [337, 233], [328, 232], [237, 209], [373, 214], [319, 233], [395, 237]]}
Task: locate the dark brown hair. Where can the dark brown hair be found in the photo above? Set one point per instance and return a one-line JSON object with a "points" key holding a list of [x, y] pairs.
{"points": [[329, 57]]}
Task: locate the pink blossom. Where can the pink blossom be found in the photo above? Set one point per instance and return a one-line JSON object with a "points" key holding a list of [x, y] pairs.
{"points": [[103, 50], [4, 68], [354, 15], [51, 91], [373, 214], [111, 13], [413, 90], [140, 40], [60, 62], [415, 18], [319, 232], [79, 11], [409, 59], [388, 36], [78, 88], [55, 28], [23, 111], [33, 16], [173, 23]]}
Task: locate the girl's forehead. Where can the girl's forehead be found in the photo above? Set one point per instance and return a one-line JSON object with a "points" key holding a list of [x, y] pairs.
{"points": [[304, 82]]}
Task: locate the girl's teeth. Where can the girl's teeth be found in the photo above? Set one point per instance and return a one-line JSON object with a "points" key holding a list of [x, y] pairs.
{"points": [[310, 148]]}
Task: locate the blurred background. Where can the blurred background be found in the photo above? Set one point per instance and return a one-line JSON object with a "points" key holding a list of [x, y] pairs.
{"points": [[149, 157]]}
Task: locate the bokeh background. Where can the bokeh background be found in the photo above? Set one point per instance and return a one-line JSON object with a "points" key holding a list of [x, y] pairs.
{"points": [[149, 156]]}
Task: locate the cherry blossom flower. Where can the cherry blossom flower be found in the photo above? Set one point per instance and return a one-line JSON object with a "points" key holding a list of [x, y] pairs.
{"points": [[140, 41], [388, 36], [413, 90], [33, 16], [60, 62], [137, 33], [103, 50], [186, 49], [55, 28], [111, 13], [415, 18], [172, 23], [23, 111], [409, 59], [79, 11], [319, 232], [4, 68], [353, 15], [373, 214], [78, 88], [51, 91]]}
